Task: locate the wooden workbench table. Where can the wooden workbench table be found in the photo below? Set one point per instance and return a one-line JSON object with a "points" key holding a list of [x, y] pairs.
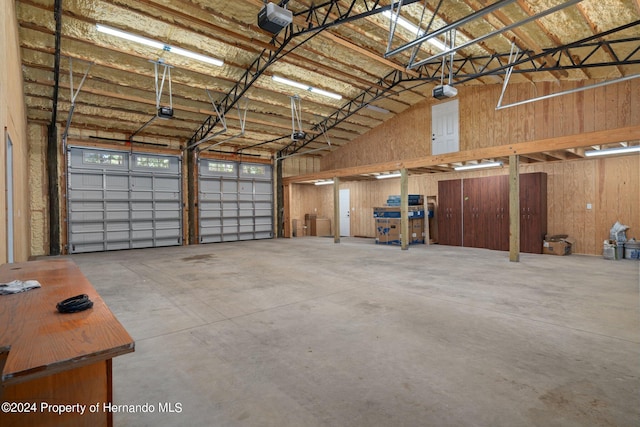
{"points": [[56, 359]]}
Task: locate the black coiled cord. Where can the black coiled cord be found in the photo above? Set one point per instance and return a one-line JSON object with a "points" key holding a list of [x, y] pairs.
{"points": [[75, 304]]}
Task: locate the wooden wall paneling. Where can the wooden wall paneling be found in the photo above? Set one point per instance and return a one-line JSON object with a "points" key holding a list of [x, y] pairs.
{"points": [[555, 197], [634, 96], [624, 103], [617, 194], [588, 109], [578, 108], [572, 203], [610, 101], [465, 111], [557, 106], [588, 172], [528, 119], [626, 177], [478, 132], [543, 112], [488, 105], [516, 116], [572, 122]]}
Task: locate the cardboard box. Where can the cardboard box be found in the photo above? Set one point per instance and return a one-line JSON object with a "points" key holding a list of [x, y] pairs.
{"points": [[323, 227], [394, 212], [388, 231], [559, 244]]}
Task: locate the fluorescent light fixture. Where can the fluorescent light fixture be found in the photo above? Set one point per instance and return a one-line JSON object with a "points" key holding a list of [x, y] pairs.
{"points": [[158, 45], [414, 29], [378, 109], [197, 56], [323, 182], [325, 93], [305, 87], [128, 36], [478, 166], [389, 175], [612, 151]]}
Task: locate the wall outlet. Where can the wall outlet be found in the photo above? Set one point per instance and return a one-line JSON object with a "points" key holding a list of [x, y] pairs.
{"points": [[589, 206]]}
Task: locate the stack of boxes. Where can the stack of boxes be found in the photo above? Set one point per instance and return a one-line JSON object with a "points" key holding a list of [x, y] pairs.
{"points": [[387, 218]]}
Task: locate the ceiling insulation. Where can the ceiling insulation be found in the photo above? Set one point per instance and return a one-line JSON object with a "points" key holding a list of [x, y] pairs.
{"points": [[119, 94]]}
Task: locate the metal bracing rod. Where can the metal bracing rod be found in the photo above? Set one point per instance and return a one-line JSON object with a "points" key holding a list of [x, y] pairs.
{"points": [[166, 72], [221, 119], [142, 127], [529, 57], [296, 117], [512, 56], [416, 49], [452, 50], [74, 95], [567, 92], [450, 27], [320, 21], [393, 21], [242, 117]]}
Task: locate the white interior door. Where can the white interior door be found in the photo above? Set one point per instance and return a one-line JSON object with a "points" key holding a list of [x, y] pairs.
{"points": [[9, 169], [445, 128], [345, 210]]}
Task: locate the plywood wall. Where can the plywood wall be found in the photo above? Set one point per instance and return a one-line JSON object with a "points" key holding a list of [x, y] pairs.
{"points": [[610, 185], [13, 123], [408, 135], [300, 165]]}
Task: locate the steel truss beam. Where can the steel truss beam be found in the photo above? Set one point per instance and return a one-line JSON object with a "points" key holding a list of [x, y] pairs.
{"points": [[554, 59], [317, 18]]}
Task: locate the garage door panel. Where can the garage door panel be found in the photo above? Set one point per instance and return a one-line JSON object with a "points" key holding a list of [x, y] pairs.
{"points": [[237, 186], [86, 195], [81, 216], [116, 182], [123, 192], [166, 184], [86, 180], [209, 186]]}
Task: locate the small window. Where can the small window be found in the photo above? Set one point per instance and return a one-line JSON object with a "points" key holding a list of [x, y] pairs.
{"points": [[152, 162], [221, 167], [97, 158], [254, 170]]}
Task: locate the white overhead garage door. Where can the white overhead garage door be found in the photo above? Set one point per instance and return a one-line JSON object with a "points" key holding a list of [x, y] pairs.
{"points": [[235, 201], [122, 200]]}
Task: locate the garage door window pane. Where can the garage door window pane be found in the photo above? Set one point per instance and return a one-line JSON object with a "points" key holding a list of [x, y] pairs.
{"points": [[221, 167], [95, 158], [152, 162]]}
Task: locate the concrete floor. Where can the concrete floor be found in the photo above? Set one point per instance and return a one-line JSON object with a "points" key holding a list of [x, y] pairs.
{"points": [[304, 332]]}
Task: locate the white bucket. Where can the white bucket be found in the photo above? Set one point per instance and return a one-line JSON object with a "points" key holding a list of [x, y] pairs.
{"points": [[632, 250]]}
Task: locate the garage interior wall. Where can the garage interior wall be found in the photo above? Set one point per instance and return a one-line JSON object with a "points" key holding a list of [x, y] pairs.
{"points": [[408, 134], [608, 185], [13, 121]]}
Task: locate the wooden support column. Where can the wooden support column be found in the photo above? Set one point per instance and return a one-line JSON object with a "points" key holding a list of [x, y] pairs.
{"points": [[404, 209], [286, 212], [514, 208], [336, 209]]}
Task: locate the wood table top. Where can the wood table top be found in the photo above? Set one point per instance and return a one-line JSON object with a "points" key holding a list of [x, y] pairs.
{"points": [[43, 341]]}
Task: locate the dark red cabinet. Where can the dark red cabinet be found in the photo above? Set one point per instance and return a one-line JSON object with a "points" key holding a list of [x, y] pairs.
{"points": [[474, 212], [450, 212], [533, 211]]}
